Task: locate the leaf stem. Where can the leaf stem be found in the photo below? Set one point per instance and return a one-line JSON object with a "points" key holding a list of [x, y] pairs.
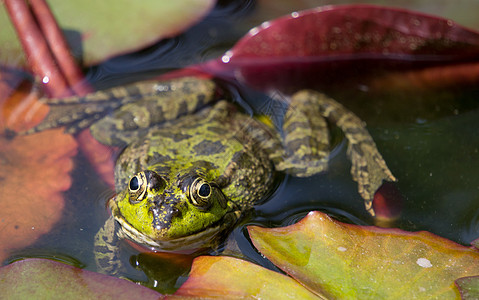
{"points": [[59, 47], [36, 48]]}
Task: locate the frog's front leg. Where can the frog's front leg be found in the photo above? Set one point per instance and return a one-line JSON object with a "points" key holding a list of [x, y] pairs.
{"points": [[304, 130], [106, 249]]}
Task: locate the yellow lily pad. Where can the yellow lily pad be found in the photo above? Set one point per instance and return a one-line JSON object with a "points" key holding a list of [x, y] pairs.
{"points": [[228, 277]]}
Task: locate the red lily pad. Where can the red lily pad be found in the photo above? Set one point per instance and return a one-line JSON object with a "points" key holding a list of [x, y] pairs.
{"points": [[317, 47], [349, 261], [465, 14], [45, 279], [34, 173], [228, 277], [97, 30]]}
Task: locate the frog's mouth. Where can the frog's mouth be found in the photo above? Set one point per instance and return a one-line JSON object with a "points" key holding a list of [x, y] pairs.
{"points": [[206, 238]]}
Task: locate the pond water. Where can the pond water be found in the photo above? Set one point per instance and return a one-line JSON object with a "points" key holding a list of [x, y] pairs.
{"points": [[430, 141]]}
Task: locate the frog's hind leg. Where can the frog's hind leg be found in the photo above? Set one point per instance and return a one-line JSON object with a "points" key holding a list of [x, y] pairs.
{"points": [[77, 113], [368, 167], [120, 114], [169, 101], [305, 139]]}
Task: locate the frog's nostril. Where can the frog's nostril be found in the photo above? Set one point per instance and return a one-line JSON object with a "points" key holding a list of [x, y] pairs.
{"points": [[155, 181], [158, 201], [176, 213]]}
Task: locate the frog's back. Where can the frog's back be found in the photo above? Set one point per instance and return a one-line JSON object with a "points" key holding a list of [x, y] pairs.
{"points": [[213, 143]]}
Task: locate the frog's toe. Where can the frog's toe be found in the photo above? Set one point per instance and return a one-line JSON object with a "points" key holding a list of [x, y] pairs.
{"points": [[369, 170]]}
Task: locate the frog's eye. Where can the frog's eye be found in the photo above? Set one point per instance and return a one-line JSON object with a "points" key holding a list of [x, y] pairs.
{"points": [[200, 192], [137, 187]]}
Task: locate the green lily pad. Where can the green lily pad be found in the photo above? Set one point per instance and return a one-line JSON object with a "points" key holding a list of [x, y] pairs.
{"points": [[352, 262], [469, 287], [97, 30], [221, 277], [45, 279]]}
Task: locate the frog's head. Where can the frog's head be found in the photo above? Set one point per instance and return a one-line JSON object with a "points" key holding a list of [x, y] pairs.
{"points": [[184, 211]]}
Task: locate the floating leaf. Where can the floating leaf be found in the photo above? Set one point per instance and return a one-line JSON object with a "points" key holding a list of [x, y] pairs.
{"points": [[228, 277], [462, 11], [353, 262], [318, 47], [45, 279], [97, 30], [468, 287], [34, 172]]}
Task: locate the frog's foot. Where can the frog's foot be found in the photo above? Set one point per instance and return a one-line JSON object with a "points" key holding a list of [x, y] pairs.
{"points": [[107, 254], [368, 168]]}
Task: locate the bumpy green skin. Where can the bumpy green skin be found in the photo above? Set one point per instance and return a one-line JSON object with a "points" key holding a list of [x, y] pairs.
{"points": [[191, 168]]}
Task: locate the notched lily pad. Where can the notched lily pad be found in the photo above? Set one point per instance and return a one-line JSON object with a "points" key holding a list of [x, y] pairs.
{"points": [[352, 262], [45, 279]]}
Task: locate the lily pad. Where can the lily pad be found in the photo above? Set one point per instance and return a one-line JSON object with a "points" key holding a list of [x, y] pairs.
{"points": [[320, 47], [45, 279], [97, 30], [334, 260], [469, 287], [462, 11], [352, 262], [228, 277], [34, 172]]}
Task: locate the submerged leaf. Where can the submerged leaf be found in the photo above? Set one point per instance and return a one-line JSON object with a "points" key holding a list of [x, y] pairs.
{"points": [[101, 157], [353, 262], [227, 277], [46, 279], [34, 172]]}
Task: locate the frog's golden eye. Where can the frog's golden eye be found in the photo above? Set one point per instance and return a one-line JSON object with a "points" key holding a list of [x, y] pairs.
{"points": [[200, 192], [137, 187]]}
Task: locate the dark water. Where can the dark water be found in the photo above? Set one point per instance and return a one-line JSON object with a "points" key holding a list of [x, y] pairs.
{"points": [[430, 141]]}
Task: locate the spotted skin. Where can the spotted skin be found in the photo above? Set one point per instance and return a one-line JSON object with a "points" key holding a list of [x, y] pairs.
{"points": [[191, 166]]}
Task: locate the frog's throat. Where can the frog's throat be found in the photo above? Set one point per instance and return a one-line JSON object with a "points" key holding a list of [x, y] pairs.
{"points": [[202, 239]]}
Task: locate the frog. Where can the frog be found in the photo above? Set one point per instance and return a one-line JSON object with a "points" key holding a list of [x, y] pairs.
{"points": [[194, 163]]}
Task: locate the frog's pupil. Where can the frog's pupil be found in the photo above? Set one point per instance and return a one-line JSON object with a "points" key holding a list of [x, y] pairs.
{"points": [[204, 190], [134, 184]]}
